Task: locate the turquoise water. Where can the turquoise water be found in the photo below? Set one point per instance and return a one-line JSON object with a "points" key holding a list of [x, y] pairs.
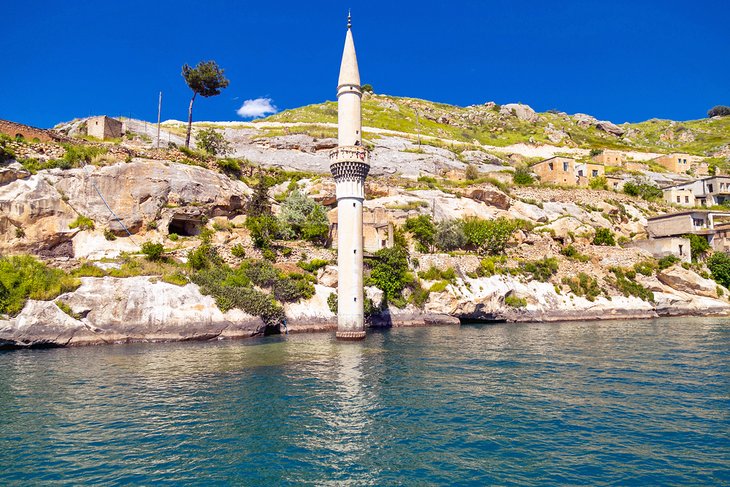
{"points": [[643, 403]]}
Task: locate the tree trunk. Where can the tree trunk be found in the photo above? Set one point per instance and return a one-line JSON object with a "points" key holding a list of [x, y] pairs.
{"points": [[190, 121]]}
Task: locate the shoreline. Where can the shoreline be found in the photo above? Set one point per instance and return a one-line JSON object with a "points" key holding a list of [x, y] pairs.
{"points": [[235, 332]]}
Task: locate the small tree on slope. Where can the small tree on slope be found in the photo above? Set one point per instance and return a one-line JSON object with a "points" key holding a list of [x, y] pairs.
{"points": [[206, 79]]}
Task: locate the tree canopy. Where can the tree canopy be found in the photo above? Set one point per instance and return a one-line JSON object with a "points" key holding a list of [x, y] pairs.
{"points": [[206, 79]]}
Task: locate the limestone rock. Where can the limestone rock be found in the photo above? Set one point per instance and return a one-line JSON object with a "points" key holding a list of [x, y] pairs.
{"points": [[519, 110], [685, 280], [583, 120], [492, 197], [39, 210], [13, 172], [610, 128], [327, 276]]}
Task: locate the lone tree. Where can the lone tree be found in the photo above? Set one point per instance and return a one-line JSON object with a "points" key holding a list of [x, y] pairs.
{"points": [[206, 79]]}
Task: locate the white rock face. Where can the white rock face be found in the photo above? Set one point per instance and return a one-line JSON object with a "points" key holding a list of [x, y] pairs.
{"points": [[685, 280], [122, 310], [523, 112]]}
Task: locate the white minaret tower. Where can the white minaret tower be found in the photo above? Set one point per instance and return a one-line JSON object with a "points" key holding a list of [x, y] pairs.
{"points": [[349, 166]]}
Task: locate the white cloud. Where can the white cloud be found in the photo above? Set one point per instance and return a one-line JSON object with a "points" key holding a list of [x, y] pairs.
{"points": [[256, 108]]}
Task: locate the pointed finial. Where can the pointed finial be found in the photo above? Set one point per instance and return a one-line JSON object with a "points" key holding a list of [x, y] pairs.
{"points": [[349, 19]]}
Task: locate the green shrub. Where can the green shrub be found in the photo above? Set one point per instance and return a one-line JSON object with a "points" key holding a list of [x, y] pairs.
{"points": [[522, 176], [434, 274], [332, 302], [718, 111], [109, 235], [699, 246], [449, 235], [173, 237], [313, 265], [419, 295], [292, 287], [583, 285], [604, 236], [82, 223], [572, 253], [645, 190], [176, 278], [263, 230], [67, 309], [719, 265], [88, 270], [541, 270], [646, 267], [668, 261], [439, 286], [491, 266], [212, 141], [599, 182], [390, 272], [19, 233], [151, 225], [153, 251], [23, 278], [626, 285], [239, 251], [302, 217], [261, 272], [515, 302], [488, 236], [204, 257], [232, 167], [423, 230]]}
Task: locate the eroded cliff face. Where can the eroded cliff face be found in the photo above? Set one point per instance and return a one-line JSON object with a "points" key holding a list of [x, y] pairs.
{"points": [[43, 205]]}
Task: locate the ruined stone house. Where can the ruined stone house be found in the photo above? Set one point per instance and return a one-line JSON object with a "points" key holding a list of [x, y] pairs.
{"points": [[103, 127], [567, 171]]}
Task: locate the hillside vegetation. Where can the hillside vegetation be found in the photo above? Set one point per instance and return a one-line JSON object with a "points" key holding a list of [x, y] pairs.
{"points": [[492, 124]]}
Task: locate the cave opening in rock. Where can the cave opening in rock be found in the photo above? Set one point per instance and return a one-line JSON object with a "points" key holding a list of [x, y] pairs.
{"points": [[185, 226]]}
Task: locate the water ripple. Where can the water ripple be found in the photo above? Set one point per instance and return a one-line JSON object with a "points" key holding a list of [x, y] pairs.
{"points": [[536, 404]]}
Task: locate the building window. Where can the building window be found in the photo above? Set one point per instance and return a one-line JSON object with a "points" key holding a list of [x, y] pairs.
{"points": [[354, 251], [679, 199], [681, 250], [550, 166], [686, 199], [698, 222], [709, 188], [565, 166], [580, 173], [595, 173]]}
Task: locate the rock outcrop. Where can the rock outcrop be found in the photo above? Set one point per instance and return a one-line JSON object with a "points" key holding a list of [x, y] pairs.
{"points": [[688, 281], [111, 310]]}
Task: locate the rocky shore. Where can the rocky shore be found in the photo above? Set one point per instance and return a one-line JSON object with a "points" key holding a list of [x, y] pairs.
{"points": [[142, 309]]}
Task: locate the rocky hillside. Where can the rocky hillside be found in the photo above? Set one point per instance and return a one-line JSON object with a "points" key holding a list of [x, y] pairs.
{"points": [[233, 260]]}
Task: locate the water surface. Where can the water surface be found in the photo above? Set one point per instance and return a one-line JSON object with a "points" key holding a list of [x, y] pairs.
{"points": [[642, 402]]}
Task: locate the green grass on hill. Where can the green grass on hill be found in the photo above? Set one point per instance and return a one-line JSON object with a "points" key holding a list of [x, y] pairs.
{"points": [[486, 126]]}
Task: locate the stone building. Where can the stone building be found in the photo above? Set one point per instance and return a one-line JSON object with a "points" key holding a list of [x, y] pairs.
{"points": [[609, 157], [710, 191], [664, 246], [30, 134], [103, 127], [697, 222], [681, 163], [567, 171], [378, 229]]}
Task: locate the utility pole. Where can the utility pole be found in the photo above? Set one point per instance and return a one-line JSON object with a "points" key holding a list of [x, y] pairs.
{"points": [[159, 111]]}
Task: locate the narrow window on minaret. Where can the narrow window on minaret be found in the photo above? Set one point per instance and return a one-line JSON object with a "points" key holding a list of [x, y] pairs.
{"points": [[354, 251], [353, 205], [355, 299]]}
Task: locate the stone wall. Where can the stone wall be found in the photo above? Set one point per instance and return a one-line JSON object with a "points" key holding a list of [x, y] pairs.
{"points": [[29, 133]]}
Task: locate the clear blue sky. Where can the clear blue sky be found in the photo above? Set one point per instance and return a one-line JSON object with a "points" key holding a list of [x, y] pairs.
{"points": [[623, 60]]}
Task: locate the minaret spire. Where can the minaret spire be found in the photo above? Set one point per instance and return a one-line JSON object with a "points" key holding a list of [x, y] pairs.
{"points": [[349, 165], [349, 19]]}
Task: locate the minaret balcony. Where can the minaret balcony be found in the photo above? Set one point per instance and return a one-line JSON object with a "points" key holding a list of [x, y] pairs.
{"points": [[350, 153]]}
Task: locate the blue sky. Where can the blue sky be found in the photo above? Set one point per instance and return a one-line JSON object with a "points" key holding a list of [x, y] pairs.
{"points": [[620, 60]]}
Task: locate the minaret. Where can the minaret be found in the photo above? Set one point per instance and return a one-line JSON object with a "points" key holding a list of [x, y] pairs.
{"points": [[349, 166]]}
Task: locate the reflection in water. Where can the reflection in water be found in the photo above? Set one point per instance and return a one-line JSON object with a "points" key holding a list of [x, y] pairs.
{"points": [[565, 403]]}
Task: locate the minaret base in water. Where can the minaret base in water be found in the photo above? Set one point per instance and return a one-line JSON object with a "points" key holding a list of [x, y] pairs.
{"points": [[349, 165]]}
